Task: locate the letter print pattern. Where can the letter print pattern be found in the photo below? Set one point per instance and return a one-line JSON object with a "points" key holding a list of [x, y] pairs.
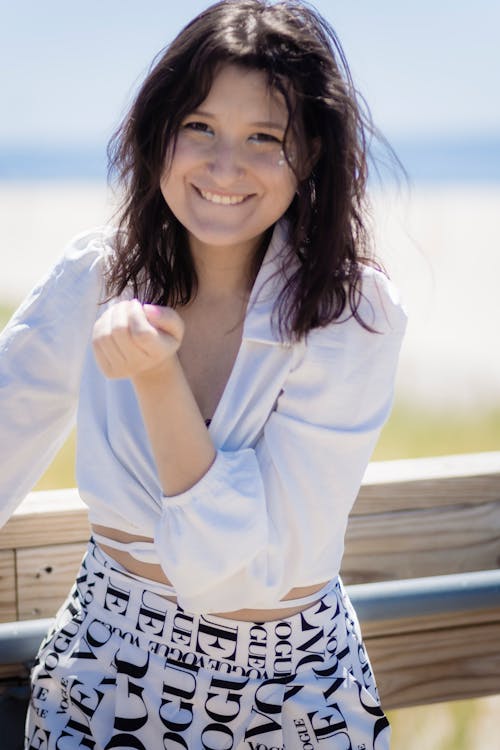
{"points": [[124, 667]]}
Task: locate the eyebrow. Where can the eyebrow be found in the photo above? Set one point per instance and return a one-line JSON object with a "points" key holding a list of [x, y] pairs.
{"points": [[258, 124]]}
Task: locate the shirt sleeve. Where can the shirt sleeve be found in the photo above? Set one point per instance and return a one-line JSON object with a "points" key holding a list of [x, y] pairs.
{"points": [[41, 356], [265, 519]]}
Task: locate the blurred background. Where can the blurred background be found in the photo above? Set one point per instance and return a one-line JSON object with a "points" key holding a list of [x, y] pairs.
{"points": [[430, 72]]}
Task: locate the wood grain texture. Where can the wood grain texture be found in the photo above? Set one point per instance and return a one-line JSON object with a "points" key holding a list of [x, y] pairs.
{"points": [[8, 600], [443, 621], [462, 480], [44, 578], [433, 666], [422, 542], [412, 519], [56, 517]]}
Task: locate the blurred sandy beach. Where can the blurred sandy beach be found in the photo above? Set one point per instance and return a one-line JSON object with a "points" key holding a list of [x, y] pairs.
{"points": [[440, 244]]}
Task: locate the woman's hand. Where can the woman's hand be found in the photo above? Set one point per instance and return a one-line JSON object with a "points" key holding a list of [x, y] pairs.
{"points": [[132, 340]]}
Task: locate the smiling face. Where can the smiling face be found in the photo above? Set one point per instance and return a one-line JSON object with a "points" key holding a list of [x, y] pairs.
{"points": [[228, 180]]}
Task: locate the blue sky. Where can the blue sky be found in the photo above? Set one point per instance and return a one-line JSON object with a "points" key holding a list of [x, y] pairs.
{"points": [[68, 69]]}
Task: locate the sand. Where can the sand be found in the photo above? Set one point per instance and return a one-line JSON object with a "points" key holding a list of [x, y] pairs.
{"points": [[440, 244]]}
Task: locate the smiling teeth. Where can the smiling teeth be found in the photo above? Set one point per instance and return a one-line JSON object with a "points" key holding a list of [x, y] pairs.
{"points": [[224, 200]]}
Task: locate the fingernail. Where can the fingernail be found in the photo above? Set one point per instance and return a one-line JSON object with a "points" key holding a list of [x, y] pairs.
{"points": [[153, 310]]}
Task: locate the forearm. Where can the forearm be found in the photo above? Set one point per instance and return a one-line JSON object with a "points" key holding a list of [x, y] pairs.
{"points": [[181, 444]]}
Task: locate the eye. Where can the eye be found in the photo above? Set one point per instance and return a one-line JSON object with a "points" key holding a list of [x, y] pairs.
{"points": [[266, 138], [198, 127]]}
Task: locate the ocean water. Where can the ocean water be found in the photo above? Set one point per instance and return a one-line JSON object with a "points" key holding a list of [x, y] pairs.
{"points": [[443, 160], [426, 160]]}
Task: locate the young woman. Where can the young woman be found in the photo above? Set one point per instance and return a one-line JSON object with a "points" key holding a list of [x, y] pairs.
{"points": [[231, 349]]}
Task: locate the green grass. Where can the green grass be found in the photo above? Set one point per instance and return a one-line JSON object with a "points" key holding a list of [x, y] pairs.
{"points": [[458, 725], [5, 313], [414, 433], [409, 433]]}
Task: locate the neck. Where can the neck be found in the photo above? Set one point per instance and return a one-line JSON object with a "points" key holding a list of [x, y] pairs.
{"points": [[225, 271]]}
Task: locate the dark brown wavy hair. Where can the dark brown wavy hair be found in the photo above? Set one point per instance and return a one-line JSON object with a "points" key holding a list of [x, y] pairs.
{"points": [[304, 61]]}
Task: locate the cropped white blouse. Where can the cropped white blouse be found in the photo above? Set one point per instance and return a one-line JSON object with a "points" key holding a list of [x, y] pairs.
{"points": [[294, 431]]}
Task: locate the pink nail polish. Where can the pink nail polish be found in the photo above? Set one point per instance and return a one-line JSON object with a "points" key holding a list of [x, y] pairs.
{"points": [[152, 310]]}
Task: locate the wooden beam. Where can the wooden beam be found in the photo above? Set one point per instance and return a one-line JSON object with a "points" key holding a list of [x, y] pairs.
{"points": [[450, 663], [44, 578], [55, 516]]}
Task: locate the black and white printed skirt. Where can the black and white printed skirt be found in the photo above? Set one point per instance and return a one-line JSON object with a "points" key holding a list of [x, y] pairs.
{"points": [[124, 667]]}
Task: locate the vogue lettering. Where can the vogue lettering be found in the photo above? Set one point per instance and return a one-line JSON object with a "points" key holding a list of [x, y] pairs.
{"points": [[216, 636], [151, 619], [116, 599], [303, 734], [207, 676]]}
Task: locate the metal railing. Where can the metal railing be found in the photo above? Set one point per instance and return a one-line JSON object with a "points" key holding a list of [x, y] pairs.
{"points": [[383, 600]]}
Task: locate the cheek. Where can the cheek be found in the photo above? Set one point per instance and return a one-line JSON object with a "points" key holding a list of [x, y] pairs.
{"points": [[285, 185], [172, 178]]}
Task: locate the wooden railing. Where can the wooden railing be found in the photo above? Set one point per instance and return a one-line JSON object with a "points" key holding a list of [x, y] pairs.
{"points": [[413, 519]]}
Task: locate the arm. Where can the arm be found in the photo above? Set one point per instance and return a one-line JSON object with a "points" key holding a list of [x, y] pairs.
{"points": [[41, 356], [270, 516], [127, 344]]}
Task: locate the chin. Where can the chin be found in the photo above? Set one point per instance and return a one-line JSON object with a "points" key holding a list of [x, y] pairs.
{"points": [[224, 237]]}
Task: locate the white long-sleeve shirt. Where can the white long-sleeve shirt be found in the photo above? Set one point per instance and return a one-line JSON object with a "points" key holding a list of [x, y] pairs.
{"points": [[294, 431]]}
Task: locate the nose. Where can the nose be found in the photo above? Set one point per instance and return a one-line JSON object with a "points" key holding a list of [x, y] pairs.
{"points": [[226, 162]]}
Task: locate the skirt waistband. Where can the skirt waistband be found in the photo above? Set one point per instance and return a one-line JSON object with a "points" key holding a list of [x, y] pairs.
{"points": [[124, 606]]}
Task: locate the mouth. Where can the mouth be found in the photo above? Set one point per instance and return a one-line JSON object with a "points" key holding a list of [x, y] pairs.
{"points": [[219, 199]]}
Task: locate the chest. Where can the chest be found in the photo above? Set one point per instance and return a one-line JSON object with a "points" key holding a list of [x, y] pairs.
{"points": [[207, 355]]}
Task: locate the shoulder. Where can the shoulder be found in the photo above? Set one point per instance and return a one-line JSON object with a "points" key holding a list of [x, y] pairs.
{"points": [[74, 285], [82, 266], [379, 308], [96, 245], [380, 305]]}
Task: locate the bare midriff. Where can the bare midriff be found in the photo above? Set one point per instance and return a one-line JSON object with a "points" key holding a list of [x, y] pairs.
{"points": [[155, 573]]}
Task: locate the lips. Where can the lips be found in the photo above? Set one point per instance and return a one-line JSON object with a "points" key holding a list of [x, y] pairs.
{"points": [[220, 199]]}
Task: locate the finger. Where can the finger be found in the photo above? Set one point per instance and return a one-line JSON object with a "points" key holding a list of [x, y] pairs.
{"points": [[109, 353], [143, 334], [165, 319], [121, 337], [113, 335], [100, 341]]}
